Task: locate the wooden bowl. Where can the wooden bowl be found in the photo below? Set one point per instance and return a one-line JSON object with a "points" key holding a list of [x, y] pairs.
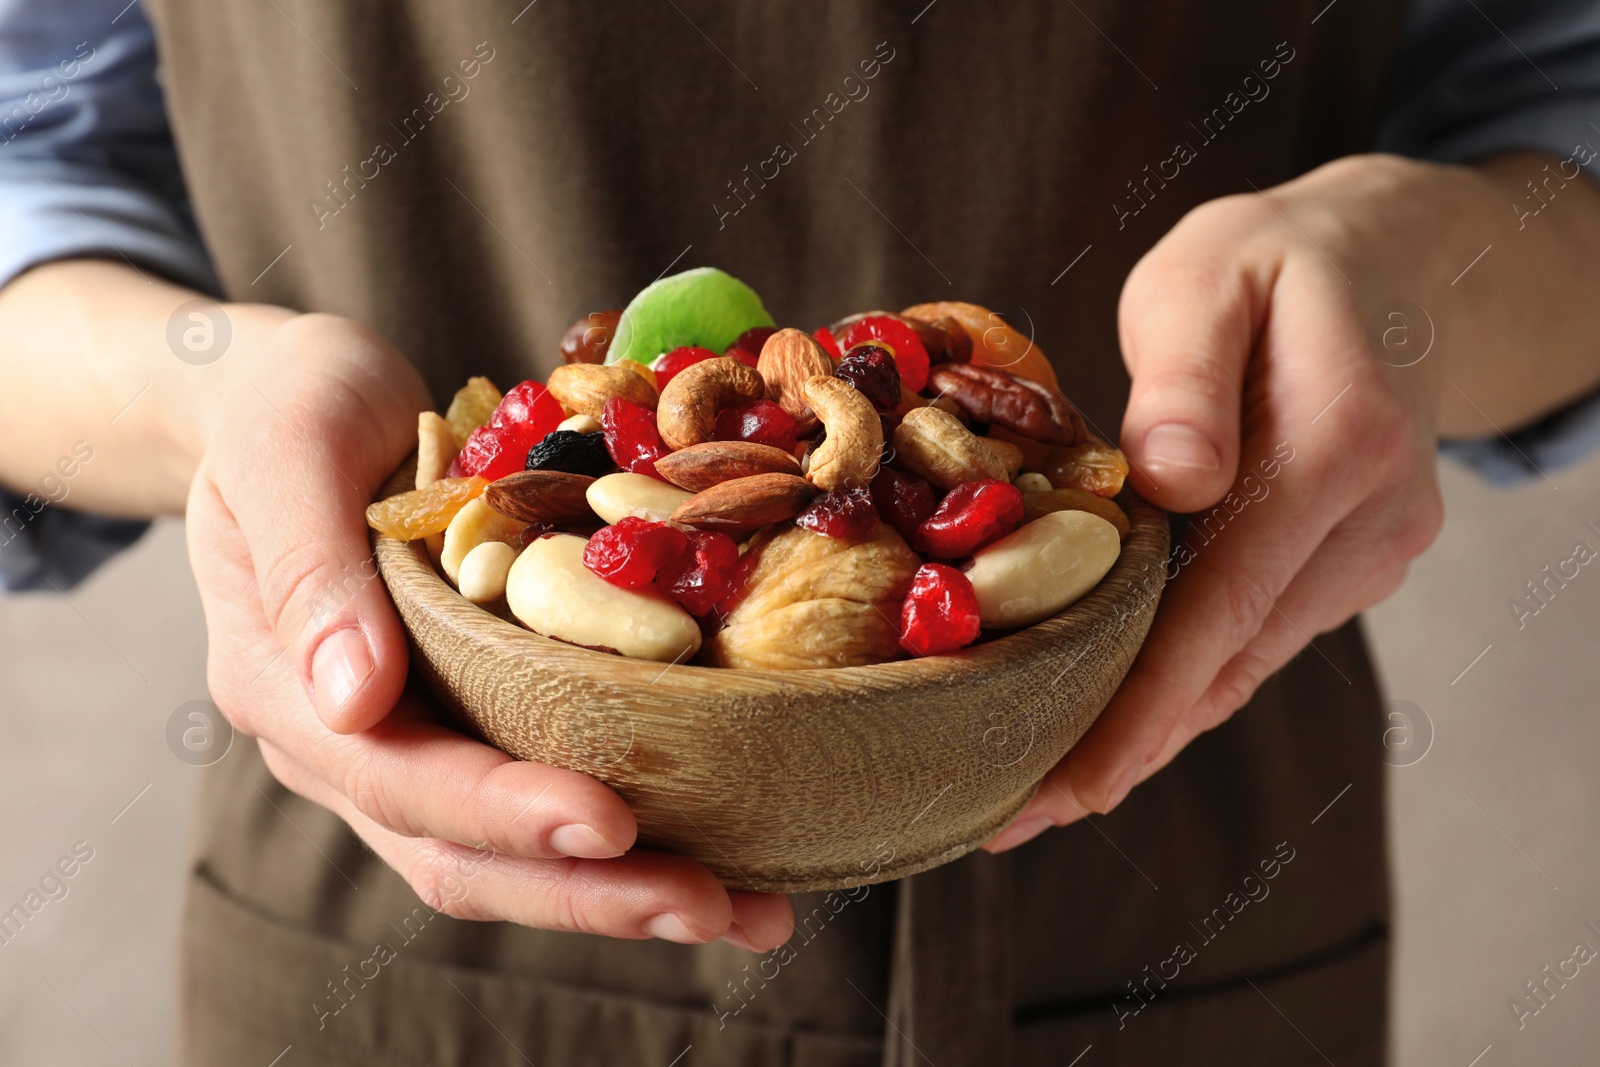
{"points": [[789, 781]]}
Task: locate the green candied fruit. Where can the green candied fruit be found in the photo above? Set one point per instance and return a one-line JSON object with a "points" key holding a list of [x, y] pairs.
{"points": [[704, 306]]}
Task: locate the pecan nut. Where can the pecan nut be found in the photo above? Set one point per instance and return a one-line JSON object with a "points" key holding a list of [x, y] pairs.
{"points": [[1092, 466], [746, 503], [690, 402], [788, 359], [933, 444], [553, 497], [1024, 406], [709, 463], [848, 456], [816, 601], [584, 388]]}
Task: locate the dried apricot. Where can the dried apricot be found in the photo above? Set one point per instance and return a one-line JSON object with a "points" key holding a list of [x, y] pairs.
{"points": [[408, 516]]}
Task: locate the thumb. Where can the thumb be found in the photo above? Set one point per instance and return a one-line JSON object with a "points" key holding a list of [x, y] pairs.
{"points": [[314, 442], [1188, 320]]}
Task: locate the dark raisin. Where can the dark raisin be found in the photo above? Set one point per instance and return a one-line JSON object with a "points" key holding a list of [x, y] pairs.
{"points": [[572, 452], [874, 374]]}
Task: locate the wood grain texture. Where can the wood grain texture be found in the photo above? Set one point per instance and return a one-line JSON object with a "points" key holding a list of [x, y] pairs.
{"points": [[789, 781]]}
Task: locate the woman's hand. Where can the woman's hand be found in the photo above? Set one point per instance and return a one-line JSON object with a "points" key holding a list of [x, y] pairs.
{"points": [[1271, 401], [307, 654]]}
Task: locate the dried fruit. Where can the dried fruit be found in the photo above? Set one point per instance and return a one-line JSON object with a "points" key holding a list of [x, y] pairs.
{"points": [[788, 360], [816, 601], [761, 422], [588, 339], [849, 455], [903, 500], [701, 576], [493, 453], [408, 516], [970, 516], [747, 347], [543, 496], [994, 342], [689, 404], [909, 355], [1027, 407], [669, 364], [933, 443], [844, 513], [829, 343], [872, 370], [471, 407], [530, 403], [436, 448], [746, 503], [940, 613], [584, 388], [632, 551], [710, 462], [1093, 466], [573, 452], [631, 436]]}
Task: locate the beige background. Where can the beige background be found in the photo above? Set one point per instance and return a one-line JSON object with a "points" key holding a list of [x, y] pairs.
{"points": [[1496, 870]]}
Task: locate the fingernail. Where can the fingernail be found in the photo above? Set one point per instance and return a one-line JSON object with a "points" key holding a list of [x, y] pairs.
{"points": [[1123, 786], [669, 927], [1017, 833], [338, 668], [1177, 445], [735, 936], [582, 841]]}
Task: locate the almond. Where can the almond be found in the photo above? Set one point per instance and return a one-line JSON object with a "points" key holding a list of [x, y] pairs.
{"points": [[788, 359], [746, 503], [541, 496], [701, 466]]}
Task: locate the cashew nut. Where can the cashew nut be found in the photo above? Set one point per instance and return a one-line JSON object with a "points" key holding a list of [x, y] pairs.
{"points": [[584, 388], [849, 455], [934, 444], [687, 414]]}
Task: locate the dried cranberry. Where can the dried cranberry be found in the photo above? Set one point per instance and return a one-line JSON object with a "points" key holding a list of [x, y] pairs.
{"points": [[842, 513], [631, 552], [940, 613], [700, 575], [909, 354], [747, 348], [760, 421], [587, 339], [871, 369], [572, 452], [829, 343], [738, 582], [670, 363], [903, 501], [631, 436], [494, 452], [969, 517]]}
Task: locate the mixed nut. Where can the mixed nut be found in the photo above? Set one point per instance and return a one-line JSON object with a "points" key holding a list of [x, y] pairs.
{"points": [[893, 484]]}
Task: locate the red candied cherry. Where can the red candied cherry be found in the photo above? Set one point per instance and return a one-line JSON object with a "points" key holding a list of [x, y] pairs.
{"points": [[970, 516], [829, 343], [760, 421], [940, 613], [909, 354], [668, 365], [700, 576], [842, 513], [631, 436], [529, 403], [494, 452], [632, 552], [903, 501], [747, 348], [872, 370]]}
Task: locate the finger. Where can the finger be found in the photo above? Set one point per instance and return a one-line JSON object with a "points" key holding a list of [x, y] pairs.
{"points": [[761, 921], [1187, 319], [297, 480], [643, 894]]}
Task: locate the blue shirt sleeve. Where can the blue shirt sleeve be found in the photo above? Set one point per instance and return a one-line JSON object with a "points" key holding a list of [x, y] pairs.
{"points": [[1475, 79]]}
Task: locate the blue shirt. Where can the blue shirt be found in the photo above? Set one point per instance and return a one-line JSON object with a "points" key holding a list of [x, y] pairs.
{"points": [[88, 168]]}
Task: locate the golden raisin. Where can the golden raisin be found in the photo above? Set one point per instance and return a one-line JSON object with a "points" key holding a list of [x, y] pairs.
{"points": [[471, 407], [408, 516], [1094, 467]]}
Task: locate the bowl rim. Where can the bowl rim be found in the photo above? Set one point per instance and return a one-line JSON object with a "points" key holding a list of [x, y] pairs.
{"points": [[408, 562]]}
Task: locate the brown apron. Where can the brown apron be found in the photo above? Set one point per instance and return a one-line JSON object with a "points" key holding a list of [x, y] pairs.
{"points": [[468, 177]]}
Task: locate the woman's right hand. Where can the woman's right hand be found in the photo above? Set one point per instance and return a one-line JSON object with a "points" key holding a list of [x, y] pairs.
{"points": [[307, 654]]}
